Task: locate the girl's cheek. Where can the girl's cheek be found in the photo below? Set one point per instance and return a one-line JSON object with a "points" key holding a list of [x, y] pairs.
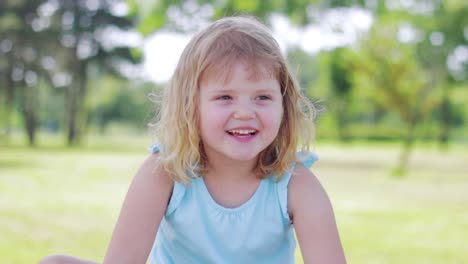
{"points": [[218, 114]]}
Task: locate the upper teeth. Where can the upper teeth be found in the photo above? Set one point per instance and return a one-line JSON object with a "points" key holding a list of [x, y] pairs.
{"points": [[242, 131]]}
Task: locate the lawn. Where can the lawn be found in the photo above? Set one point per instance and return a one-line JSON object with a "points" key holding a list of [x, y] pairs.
{"points": [[54, 199]]}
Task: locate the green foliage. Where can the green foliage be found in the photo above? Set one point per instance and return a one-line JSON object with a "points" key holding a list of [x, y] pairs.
{"points": [[9, 21], [151, 24], [246, 6], [341, 72], [306, 68], [136, 54], [380, 82], [120, 102]]}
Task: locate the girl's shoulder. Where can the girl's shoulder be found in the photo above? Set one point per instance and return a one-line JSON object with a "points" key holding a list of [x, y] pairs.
{"points": [[303, 159], [306, 193], [177, 189], [152, 170], [286, 185]]}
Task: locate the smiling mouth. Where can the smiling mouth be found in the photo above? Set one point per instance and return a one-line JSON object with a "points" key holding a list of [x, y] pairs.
{"points": [[242, 132]]}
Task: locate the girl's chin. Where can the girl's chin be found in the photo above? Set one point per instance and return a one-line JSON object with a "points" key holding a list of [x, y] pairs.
{"points": [[243, 157], [234, 153]]}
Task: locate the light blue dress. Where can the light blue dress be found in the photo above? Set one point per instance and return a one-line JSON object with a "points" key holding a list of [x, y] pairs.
{"points": [[195, 229]]}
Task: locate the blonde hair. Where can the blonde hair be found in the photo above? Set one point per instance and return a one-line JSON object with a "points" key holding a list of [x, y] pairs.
{"points": [[209, 53]]}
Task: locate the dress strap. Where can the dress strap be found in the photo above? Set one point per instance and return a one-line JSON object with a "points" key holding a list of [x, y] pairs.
{"points": [[178, 190], [306, 159], [155, 148]]}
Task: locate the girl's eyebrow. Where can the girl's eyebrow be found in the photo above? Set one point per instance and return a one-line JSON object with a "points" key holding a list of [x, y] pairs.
{"points": [[260, 90], [230, 90], [216, 91], [266, 90]]}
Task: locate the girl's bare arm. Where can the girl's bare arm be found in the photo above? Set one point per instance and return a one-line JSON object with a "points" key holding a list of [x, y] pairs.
{"points": [[313, 219], [141, 214]]}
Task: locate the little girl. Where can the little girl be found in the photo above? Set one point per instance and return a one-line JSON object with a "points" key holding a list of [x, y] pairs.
{"points": [[225, 184]]}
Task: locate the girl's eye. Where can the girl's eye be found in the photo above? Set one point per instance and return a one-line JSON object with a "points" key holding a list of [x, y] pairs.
{"points": [[263, 97], [224, 97]]}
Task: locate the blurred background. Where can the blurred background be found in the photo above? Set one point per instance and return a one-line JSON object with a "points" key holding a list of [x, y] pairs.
{"points": [[389, 79]]}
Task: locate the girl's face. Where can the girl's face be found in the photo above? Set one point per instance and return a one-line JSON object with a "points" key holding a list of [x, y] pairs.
{"points": [[239, 118]]}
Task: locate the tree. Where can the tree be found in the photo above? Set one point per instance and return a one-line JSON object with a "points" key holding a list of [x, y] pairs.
{"points": [[158, 14], [341, 87], [443, 34], [82, 29], [20, 66], [59, 42], [398, 82]]}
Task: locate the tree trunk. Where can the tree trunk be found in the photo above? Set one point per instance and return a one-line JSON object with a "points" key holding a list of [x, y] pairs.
{"points": [[10, 97], [408, 141], [8, 106], [29, 107], [70, 106], [445, 119], [342, 124], [75, 98]]}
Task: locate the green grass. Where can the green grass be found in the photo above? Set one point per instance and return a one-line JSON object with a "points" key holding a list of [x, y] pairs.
{"points": [[54, 199]]}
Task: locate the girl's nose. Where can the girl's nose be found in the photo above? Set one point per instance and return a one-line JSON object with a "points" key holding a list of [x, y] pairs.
{"points": [[244, 114]]}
